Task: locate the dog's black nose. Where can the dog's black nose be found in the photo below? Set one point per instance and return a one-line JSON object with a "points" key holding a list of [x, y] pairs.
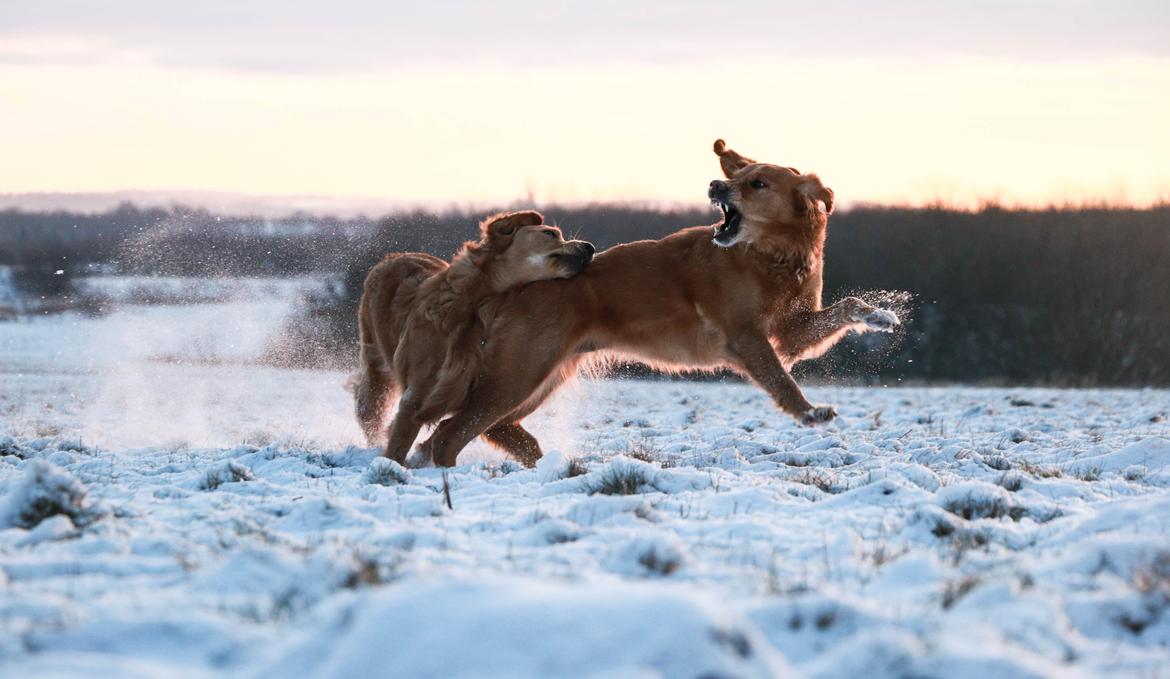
{"points": [[589, 247], [718, 185]]}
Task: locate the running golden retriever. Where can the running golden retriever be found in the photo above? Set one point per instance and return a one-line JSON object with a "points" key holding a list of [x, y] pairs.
{"points": [[746, 295], [421, 320]]}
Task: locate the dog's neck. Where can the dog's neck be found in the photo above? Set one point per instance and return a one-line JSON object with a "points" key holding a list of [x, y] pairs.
{"points": [[795, 250]]}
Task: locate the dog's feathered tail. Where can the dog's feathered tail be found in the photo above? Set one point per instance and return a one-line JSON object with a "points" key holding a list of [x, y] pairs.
{"points": [[372, 384]]}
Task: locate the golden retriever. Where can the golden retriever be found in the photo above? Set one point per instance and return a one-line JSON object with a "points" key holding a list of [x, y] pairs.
{"points": [[745, 295], [421, 320]]}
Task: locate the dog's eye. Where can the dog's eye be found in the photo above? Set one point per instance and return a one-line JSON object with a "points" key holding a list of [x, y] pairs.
{"points": [[759, 184], [550, 232]]}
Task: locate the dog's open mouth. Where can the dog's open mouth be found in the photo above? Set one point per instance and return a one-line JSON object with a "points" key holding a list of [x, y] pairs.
{"points": [[727, 230]]}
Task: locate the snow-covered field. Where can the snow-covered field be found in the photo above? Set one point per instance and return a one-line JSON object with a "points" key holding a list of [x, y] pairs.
{"points": [[163, 519]]}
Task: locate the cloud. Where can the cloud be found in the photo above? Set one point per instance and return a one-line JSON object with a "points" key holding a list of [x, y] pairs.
{"points": [[372, 35]]}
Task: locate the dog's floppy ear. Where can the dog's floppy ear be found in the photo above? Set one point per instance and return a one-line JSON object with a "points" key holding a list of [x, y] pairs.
{"points": [[729, 160], [501, 227], [811, 191]]}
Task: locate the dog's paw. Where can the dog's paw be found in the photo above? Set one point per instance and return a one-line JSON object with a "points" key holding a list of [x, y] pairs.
{"points": [[880, 320], [818, 415], [418, 458]]}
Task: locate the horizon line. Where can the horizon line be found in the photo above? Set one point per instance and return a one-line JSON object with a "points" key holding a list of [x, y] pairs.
{"points": [[282, 206]]}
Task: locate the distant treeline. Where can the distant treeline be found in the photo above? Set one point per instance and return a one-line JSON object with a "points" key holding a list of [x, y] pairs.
{"points": [[1059, 296], [177, 241]]}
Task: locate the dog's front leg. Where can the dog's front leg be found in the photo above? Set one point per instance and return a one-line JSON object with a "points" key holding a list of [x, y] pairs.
{"points": [[752, 352], [403, 429], [514, 440], [490, 400], [485, 406], [811, 334]]}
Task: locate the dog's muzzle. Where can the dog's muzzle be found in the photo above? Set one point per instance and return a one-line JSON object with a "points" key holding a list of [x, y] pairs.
{"points": [[578, 256], [727, 231]]}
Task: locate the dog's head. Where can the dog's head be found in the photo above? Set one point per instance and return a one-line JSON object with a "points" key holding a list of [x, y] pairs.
{"points": [[518, 247], [759, 200]]}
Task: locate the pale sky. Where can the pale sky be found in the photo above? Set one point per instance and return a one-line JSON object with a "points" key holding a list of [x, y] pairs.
{"points": [[444, 102]]}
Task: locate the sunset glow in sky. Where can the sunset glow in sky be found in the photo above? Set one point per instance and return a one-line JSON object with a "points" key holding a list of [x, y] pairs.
{"points": [[910, 102]]}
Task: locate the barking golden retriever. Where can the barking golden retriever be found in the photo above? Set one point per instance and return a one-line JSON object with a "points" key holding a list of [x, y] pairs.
{"points": [[421, 321], [746, 295]]}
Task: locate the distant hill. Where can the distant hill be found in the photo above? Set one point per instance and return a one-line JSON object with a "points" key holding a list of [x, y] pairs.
{"points": [[282, 205]]}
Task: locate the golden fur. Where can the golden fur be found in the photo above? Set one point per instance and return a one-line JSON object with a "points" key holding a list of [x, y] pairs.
{"points": [[421, 320], [748, 299]]}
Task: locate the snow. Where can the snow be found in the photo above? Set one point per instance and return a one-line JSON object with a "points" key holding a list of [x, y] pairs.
{"points": [[44, 491], [127, 289], [1137, 460], [511, 626], [205, 520]]}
